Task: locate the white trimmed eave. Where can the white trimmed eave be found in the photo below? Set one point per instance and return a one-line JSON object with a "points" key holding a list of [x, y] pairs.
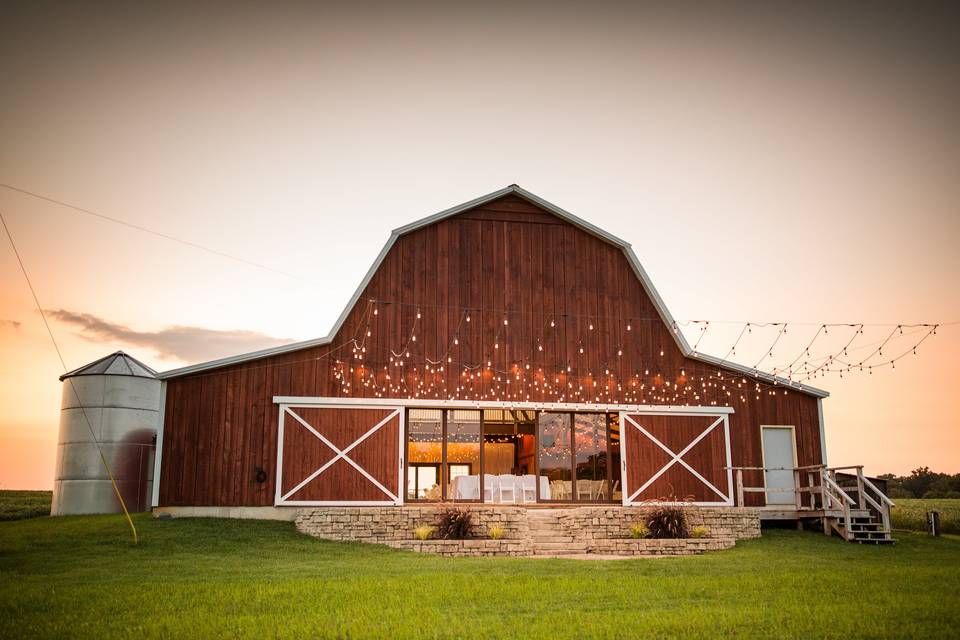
{"points": [[658, 409], [624, 246]]}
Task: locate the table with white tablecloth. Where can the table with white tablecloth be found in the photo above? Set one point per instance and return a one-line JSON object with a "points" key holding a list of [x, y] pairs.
{"points": [[467, 487]]}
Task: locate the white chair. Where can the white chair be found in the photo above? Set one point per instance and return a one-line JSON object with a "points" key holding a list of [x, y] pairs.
{"points": [[508, 488], [491, 487], [560, 489], [584, 489], [545, 491], [529, 484], [602, 490]]}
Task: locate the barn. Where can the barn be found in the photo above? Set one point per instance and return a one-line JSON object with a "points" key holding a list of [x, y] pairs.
{"points": [[501, 352]]}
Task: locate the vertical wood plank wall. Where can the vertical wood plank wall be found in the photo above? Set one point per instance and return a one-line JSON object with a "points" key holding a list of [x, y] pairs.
{"points": [[220, 425], [645, 458], [304, 453]]}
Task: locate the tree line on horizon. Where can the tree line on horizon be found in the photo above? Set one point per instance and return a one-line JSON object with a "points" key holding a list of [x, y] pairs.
{"points": [[922, 483]]}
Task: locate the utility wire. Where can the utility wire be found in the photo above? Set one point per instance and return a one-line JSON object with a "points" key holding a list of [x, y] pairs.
{"points": [[63, 364], [159, 234]]}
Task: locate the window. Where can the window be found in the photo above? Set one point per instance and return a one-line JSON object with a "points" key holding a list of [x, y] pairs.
{"points": [[456, 469], [421, 480], [424, 454]]}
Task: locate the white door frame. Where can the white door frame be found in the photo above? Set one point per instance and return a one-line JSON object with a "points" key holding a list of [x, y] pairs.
{"points": [[400, 404], [722, 415], [763, 463], [288, 409]]}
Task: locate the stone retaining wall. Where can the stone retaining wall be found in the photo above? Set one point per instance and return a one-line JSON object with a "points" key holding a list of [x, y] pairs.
{"points": [[599, 529], [648, 547], [596, 523], [382, 525], [478, 547]]}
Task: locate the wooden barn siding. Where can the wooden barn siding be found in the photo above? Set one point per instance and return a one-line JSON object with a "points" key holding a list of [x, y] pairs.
{"points": [[645, 458], [220, 425], [303, 453]]}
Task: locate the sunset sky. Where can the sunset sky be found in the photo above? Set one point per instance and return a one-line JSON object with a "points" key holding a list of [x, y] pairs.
{"points": [[783, 163]]}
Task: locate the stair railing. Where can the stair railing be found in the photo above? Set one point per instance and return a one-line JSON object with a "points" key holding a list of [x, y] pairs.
{"points": [[882, 506], [834, 497], [878, 502], [797, 490]]}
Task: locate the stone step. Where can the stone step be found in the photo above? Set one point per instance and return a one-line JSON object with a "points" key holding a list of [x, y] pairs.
{"points": [[560, 545], [553, 539], [558, 551]]}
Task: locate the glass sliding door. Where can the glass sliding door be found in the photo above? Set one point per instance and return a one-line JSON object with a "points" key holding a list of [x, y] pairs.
{"points": [[590, 457], [613, 431], [463, 455], [555, 455], [512, 456], [576, 454], [424, 454]]}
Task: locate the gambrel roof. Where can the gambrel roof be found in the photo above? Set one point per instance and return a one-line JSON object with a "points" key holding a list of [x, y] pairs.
{"points": [[547, 206]]}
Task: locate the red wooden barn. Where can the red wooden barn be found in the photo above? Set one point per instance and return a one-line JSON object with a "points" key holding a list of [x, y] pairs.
{"points": [[501, 351]]}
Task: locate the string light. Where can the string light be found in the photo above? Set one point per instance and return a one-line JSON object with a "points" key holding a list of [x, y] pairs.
{"points": [[417, 375]]}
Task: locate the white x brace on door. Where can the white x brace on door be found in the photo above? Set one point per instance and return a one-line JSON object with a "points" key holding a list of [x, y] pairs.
{"points": [[339, 455], [640, 473]]}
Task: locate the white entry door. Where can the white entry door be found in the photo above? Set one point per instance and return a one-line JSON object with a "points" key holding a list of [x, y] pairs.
{"points": [[779, 458]]}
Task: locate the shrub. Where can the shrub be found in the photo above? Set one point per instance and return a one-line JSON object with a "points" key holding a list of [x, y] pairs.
{"points": [[666, 521], [423, 531], [495, 532], [699, 531], [639, 530], [454, 525]]}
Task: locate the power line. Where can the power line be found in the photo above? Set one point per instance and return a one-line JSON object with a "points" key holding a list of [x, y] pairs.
{"points": [[63, 364], [159, 234]]}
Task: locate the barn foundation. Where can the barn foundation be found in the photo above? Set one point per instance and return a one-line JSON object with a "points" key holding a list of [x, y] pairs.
{"points": [[595, 530]]}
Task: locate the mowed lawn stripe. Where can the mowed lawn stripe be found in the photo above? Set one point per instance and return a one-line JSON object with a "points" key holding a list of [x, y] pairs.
{"points": [[81, 577]]}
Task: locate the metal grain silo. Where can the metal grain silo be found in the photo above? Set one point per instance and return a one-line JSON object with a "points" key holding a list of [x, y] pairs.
{"points": [[118, 399]]}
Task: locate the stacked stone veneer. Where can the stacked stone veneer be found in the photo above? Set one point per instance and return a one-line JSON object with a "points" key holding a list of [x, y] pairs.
{"points": [[595, 530], [606, 530]]}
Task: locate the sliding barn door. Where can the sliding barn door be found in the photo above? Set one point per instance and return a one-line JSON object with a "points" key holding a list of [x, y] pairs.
{"points": [[339, 455], [676, 457]]}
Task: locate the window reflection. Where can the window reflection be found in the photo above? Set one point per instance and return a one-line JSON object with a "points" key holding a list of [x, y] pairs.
{"points": [[424, 454], [555, 453]]}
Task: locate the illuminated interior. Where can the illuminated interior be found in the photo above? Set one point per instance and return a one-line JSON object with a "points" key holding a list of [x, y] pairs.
{"points": [[492, 455]]}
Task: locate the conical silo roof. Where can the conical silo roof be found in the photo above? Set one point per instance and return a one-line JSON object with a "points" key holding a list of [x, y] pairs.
{"points": [[115, 364]]}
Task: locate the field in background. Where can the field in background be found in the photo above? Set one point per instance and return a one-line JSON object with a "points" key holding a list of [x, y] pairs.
{"points": [[82, 577], [911, 514], [17, 505]]}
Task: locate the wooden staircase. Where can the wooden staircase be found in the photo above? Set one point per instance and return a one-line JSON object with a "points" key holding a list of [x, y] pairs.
{"points": [[866, 519], [864, 529], [857, 511]]}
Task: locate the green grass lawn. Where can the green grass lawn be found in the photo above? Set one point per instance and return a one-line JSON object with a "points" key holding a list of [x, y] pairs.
{"points": [[16, 505], [911, 513], [82, 577]]}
